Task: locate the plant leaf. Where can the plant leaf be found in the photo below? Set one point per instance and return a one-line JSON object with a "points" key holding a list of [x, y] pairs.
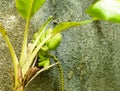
{"points": [[29, 61], [106, 10], [27, 8], [65, 25]]}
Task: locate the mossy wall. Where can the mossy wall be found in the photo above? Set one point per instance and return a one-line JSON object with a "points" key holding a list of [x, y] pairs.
{"points": [[90, 54]]}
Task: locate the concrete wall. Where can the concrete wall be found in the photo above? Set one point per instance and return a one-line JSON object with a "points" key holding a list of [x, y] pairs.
{"points": [[90, 54]]}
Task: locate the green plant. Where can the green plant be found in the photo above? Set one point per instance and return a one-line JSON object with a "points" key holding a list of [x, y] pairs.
{"points": [[37, 55]]}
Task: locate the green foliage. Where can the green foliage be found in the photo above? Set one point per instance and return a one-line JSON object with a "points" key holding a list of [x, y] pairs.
{"points": [[106, 10], [27, 8], [41, 34], [54, 42], [65, 25], [44, 63], [48, 32], [43, 59]]}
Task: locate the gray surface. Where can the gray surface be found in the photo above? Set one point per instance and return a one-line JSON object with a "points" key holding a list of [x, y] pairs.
{"points": [[90, 54]]}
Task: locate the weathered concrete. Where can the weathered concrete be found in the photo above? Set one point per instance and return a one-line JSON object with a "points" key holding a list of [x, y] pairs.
{"points": [[90, 54]]}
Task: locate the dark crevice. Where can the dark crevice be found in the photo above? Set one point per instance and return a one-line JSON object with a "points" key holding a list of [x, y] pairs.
{"points": [[102, 40], [99, 30]]}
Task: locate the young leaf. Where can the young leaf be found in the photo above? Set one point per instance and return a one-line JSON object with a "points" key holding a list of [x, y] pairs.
{"points": [[106, 10], [66, 25], [32, 55], [27, 8], [41, 30]]}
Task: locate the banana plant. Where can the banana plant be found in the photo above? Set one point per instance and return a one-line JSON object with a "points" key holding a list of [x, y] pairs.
{"points": [[35, 56]]}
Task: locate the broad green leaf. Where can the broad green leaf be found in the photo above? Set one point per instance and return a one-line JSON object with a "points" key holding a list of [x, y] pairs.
{"points": [[27, 8], [106, 10]]}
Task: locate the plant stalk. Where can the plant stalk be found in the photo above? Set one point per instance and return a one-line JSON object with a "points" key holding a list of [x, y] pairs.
{"points": [[41, 70], [60, 71], [24, 46], [12, 52], [41, 30], [20, 88], [33, 54]]}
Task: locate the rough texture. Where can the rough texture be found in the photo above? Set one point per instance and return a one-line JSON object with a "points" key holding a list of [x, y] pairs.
{"points": [[90, 54]]}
